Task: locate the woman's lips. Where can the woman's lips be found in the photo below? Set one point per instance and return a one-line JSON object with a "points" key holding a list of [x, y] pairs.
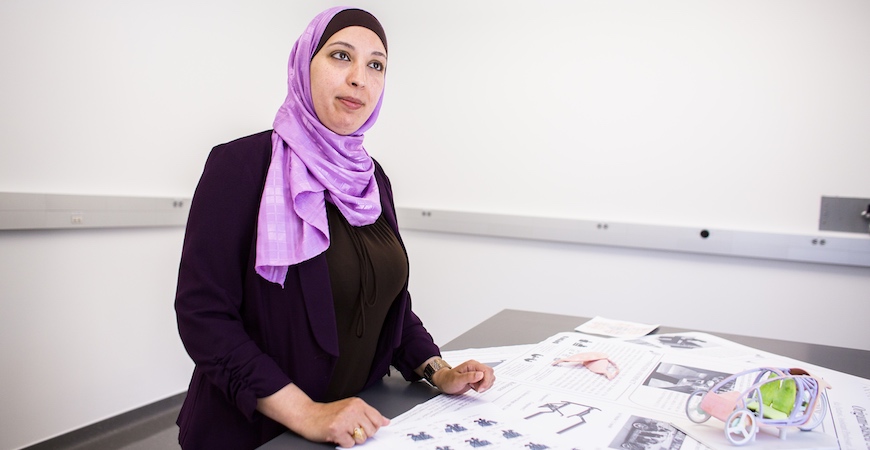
{"points": [[351, 102]]}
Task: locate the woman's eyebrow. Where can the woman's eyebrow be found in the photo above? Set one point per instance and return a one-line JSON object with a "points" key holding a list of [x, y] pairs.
{"points": [[343, 44]]}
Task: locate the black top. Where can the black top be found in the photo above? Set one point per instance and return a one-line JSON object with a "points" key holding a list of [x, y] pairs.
{"points": [[367, 268]]}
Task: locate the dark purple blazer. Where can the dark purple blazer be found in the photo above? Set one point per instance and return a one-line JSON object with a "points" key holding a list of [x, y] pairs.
{"points": [[249, 337]]}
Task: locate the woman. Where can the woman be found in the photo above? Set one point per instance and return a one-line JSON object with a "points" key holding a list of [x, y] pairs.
{"points": [[292, 288]]}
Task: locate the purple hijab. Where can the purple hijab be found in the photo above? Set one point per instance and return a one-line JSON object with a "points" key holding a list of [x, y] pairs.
{"points": [[309, 163]]}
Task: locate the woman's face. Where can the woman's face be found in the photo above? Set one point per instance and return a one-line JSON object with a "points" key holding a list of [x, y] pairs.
{"points": [[347, 78]]}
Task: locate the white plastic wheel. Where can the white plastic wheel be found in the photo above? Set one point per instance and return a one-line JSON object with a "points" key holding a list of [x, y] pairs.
{"points": [[740, 427], [693, 407], [819, 413]]}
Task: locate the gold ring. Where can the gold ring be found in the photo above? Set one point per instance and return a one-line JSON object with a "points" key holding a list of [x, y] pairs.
{"points": [[359, 434]]}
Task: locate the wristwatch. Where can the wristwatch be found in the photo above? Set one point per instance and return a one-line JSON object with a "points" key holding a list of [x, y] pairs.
{"points": [[434, 366]]}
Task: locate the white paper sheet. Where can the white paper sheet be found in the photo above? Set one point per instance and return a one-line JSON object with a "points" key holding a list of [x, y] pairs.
{"points": [[644, 407], [615, 328]]}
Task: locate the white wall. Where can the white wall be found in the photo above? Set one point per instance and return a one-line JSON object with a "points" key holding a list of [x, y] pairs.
{"points": [[87, 327], [458, 280], [736, 114], [723, 114]]}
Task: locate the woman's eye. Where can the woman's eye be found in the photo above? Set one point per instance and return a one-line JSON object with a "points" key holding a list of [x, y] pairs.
{"points": [[341, 55], [377, 65]]}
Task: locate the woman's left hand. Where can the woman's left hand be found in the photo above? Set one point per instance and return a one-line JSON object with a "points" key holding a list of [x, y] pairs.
{"points": [[468, 375]]}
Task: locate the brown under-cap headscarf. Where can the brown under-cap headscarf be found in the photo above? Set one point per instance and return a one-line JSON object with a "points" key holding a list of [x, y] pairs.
{"points": [[351, 18]]}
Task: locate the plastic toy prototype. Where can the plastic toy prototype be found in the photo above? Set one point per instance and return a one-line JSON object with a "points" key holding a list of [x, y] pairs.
{"points": [[595, 361], [778, 397]]}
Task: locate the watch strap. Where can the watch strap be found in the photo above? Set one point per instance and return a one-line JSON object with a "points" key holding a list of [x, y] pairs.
{"points": [[434, 366]]}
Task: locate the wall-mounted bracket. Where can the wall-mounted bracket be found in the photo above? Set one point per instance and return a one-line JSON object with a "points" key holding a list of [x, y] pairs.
{"points": [[845, 214], [27, 211]]}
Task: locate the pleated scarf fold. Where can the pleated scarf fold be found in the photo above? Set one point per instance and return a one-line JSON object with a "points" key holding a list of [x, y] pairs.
{"points": [[310, 165]]}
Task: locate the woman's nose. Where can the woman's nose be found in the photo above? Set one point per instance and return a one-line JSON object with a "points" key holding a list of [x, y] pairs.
{"points": [[357, 75]]}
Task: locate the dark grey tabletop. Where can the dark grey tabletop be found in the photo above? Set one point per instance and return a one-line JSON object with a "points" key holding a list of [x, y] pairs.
{"points": [[513, 327], [394, 395]]}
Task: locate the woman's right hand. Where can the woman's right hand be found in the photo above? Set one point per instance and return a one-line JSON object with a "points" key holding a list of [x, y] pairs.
{"points": [[323, 422], [336, 422]]}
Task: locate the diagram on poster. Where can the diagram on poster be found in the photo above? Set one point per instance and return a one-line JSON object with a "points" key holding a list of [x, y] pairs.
{"points": [[481, 426]]}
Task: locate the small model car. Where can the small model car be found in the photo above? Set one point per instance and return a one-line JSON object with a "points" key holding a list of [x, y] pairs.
{"points": [[777, 397]]}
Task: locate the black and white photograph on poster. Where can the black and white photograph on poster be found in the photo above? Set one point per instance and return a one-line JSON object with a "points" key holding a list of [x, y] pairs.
{"points": [[681, 341], [640, 433], [686, 379], [696, 344], [677, 341]]}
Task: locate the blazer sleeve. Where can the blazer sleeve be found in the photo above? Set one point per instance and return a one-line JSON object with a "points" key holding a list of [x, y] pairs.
{"points": [[210, 293], [416, 345]]}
